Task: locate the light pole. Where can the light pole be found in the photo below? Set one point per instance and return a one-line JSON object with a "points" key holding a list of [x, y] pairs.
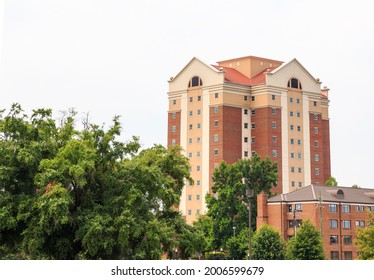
{"points": [[234, 228], [249, 193]]}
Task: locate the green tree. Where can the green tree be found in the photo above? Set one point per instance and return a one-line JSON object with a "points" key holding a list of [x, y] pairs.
{"points": [[267, 244], [69, 194], [331, 182], [307, 245], [227, 206], [365, 240], [238, 245]]}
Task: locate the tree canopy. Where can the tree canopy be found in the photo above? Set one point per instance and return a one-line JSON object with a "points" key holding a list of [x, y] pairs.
{"points": [[83, 194], [365, 240]]}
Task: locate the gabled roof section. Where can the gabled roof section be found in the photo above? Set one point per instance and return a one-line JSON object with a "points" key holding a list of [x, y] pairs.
{"points": [[261, 78], [232, 75], [327, 194], [189, 63]]}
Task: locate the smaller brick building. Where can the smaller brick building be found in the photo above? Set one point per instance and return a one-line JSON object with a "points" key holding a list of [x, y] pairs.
{"points": [[336, 211]]}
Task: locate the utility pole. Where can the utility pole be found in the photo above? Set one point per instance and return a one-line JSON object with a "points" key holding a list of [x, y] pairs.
{"points": [[320, 213], [294, 219]]}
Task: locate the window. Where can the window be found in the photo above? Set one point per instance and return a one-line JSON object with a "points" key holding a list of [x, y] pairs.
{"points": [[347, 240], [216, 95], [293, 183], [297, 100], [253, 98], [274, 139], [316, 157], [173, 115], [316, 143], [191, 99], [316, 130], [274, 124], [198, 168], [245, 139], [334, 255], [359, 208], [272, 97], [333, 223], [292, 169], [189, 197], [315, 103], [253, 139], [245, 111], [173, 128], [245, 98], [346, 224], [274, 153], [198, 140], [333, 208], [199, 112], [253, 125], [315, 117], [190, 155], [189, 212], [298, 142], [195, 82], [360, 223], [291, 127], [299, 169], [197, 182], [215, 109], [215, 123], [174, 102], [298, 128], [298, 114], [292, 155], [199, 98], [215, 137], [197, 197], [291, 100], [173, 142], [294, 83], [299, 207], [333, 240], [346, 208], [300, 184], [273, 111], [347, 255], [215, 152], [190, 140], [292, 141], [253, 112], [299, 155], [190, 126], [198, 153], [291, 113], [198, 125], [245, 125], [246, 154], [191, 113], [290, 208], [316, 171], [292, 223]]}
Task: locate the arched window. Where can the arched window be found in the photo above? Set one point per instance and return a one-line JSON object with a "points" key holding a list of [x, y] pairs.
{"points": [[294, 83], [195, 82]]}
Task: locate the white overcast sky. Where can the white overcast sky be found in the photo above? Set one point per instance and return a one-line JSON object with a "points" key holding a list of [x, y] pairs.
{"points": [[114, 57]]}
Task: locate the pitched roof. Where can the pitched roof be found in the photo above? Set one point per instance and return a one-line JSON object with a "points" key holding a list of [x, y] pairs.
{"points": [[329, 194], [233, 76]]}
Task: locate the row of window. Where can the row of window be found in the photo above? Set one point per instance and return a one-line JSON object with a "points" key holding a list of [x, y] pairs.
{"points": [[189, 212], [190, 197], [198, 183], [346, 208], [334, 255], [334, 239]]}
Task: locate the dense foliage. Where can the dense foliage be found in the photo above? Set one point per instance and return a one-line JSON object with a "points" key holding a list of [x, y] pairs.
{"points": [[365, 240], [267, 244], [69, 194]]}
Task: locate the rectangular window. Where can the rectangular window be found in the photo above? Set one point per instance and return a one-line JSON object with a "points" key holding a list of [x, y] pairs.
{"points": [[274, 139], [274, 124], [290, 208], [291, 100], [293, 183], [189, 212], [215, 123], [346, 224], [292, 141], [245, 98], [273, 111], [246, 154], [197, 182], [190, 155], [173, 128], [292, 155], [360, 223], [292, 169], [199, 98], [216, 95], [291, 114], [316, 157], [253, 98], [297, 100], [272, 97], [334, 240], [253, 139], [298, 128], [198, 125], [245, 125], [253, 125], [333, 208], [215, 137], [333, 223], [198, 168], [298, 142], [245, 139], [253, 112], [316, 130], [347, 255], [291, 127], [191, 113], [199, 112], [173, 115], [191, 99], [190, 140], [347, 240], [300, 184], [315, 103], [316, 171], [189, 197], [299, 207], [292, 223], [298, 114], [346, 208], [197, 197], [198, 140], [215, 152], [274, 153], [299, 155], [245, 111], [174, 102], [215, 109], [359, 208], [316, 143], [190, 126], [198, 153], [197, 212], [173, 142], [315, 117], [334, 255], [299, 169]]}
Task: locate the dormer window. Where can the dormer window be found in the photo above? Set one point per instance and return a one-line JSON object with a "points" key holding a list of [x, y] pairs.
{"points": [[294, 83], [195, 82]]}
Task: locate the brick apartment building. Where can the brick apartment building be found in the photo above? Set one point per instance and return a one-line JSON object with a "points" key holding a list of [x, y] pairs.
{"points": [[244, 105], [336, 211]]}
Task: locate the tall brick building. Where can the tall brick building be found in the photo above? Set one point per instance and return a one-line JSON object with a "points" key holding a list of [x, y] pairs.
{"points": [[240, 106], [336, 211]]}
